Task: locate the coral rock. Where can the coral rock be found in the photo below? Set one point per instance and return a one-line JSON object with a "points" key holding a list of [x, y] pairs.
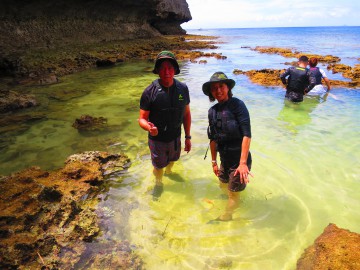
{"points": [[335, 248]]}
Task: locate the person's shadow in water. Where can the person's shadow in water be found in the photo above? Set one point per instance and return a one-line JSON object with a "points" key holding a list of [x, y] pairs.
{"points": [[159, 189], [175, 177], [296, 115]]}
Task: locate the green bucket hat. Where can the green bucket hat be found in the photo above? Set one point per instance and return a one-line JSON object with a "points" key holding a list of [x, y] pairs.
{"points": [[217, 77], [166, 55]]}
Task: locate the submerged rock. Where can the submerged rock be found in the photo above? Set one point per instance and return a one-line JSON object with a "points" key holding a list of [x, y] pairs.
{"points": [[90, 123], [111, 255], [46, 218], [218, 263], [13, 101], [334, 249]]}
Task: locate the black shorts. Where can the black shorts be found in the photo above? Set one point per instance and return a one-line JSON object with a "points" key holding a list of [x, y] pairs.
{"points": [[294, 96], [229, 163]]}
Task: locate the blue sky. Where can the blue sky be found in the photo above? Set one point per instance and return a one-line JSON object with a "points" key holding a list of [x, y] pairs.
{"points": [[272, 13]]}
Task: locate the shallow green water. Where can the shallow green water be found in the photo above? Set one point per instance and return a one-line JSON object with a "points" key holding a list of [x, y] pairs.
{"points": [[305, 163]]}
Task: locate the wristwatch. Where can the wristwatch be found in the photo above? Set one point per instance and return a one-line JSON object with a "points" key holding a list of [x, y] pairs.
{"points": [[187, 137]]}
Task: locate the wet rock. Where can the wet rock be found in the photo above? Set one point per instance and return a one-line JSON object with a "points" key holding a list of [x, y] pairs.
{"points": [[109, 163], [47, 217], [266, 77], [286, 52], [14, 101], [335, 248], [336, 68], [349, 72], [90, 123], [49, 79], [289, 53]]}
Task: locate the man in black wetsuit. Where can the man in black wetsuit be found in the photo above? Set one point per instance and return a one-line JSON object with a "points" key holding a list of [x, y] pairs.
{"points": [[164, 108], [300, 80]]}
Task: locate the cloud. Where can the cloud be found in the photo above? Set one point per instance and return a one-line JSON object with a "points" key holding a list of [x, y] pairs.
{"points": [[271, 13]]}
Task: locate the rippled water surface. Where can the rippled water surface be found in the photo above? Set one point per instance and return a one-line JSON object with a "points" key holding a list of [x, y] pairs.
{"points": [[305, 163]]}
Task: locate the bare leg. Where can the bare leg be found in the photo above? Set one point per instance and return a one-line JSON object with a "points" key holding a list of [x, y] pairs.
{"points": [[169, 167], [158, 173], [233, 203], [158, 188], [224, 188]]}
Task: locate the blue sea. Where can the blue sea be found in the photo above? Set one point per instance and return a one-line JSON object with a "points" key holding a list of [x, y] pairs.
{"points": [[305, 157], [343, 42]]}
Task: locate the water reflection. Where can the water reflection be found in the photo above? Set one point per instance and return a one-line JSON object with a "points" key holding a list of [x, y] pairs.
{"points": [[297, 115]]}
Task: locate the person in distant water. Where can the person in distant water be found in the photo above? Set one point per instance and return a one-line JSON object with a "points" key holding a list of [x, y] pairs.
{"points": [[230, 134], [300, 80], [164, 108], [319, 74]]}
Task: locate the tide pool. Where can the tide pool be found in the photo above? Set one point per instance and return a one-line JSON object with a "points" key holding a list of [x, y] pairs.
{"points": [[305, 165]]}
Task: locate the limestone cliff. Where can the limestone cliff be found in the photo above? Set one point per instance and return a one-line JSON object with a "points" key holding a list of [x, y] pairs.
{"points": [[46, 24]]}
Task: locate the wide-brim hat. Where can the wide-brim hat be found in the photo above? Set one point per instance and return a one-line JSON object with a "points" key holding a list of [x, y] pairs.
{"points": [[166, 55], [217, 77]]}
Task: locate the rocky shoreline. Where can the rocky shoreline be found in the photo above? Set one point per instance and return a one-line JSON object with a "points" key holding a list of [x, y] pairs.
{"points": [[46, 67], [48, 217]]}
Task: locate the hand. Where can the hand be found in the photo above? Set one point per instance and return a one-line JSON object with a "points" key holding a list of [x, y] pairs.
{"points": [[243, 172], [187, 145], [153, 130], [216, 169]]}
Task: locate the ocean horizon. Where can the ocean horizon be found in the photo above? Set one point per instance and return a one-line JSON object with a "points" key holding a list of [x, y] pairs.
{"points": [[216, 28]]}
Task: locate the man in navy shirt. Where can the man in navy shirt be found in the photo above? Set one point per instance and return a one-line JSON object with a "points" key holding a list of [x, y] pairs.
{"points": [[164, 108]]}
